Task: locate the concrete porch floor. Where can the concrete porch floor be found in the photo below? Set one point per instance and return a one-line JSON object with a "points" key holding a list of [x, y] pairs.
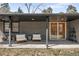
{"points": [[40, 44]]}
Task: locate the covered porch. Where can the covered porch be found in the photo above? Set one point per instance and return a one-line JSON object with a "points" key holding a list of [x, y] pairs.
{"points": [[29, 24], [25, 25]]}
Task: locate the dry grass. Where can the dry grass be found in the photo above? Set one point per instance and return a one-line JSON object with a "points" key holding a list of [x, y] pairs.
{"points": [[38, 52]]}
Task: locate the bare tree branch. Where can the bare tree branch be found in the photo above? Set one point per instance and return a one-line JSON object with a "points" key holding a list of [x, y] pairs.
{"points": [[28, 5], [37, 8]]}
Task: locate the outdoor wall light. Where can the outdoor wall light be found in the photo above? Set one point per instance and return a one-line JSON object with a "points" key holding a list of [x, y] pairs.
{"points": [[33, 19]]}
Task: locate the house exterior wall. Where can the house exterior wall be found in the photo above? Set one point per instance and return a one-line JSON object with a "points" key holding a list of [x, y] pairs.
{"points": [[33, 27], [30, 27], [75, 25]]}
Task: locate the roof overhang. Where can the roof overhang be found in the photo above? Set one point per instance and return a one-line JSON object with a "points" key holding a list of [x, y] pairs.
{"points": [[31, 14], [70, 17]]}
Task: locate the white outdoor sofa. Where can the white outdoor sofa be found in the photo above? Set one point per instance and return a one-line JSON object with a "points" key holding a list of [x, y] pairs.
{"points": [[36, 37], [21, 37]]}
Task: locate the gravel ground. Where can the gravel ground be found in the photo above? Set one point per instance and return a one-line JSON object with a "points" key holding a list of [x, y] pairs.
{"points": [[38, 52]]}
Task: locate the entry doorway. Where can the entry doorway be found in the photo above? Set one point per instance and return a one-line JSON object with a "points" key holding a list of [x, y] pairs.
{"points": [[57, 30]]}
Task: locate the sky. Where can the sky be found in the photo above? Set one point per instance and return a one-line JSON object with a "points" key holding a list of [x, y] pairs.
{"points": [[57, 7]]}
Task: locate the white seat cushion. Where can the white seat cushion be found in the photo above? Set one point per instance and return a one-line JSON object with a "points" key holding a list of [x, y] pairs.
{"points": [[36, 37], [20, 37]]}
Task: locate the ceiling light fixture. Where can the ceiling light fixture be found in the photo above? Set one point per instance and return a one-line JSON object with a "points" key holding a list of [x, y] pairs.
{"points": [[33, 19]]}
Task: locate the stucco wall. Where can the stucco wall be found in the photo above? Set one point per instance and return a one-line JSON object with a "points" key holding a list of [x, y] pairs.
{"points": [[32, 27], [75, 24]]}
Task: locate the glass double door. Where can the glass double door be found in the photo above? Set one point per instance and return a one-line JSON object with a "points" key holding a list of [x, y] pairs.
{"points": [[58, 30]]}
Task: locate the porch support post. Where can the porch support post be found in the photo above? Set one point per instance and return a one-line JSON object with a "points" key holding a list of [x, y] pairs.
{"points": [[47, 38], [47, 26], [57, 26], [10, 31]]}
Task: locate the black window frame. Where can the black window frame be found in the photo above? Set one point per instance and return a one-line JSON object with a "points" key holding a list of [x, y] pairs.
{"points": [[11, 26]]}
